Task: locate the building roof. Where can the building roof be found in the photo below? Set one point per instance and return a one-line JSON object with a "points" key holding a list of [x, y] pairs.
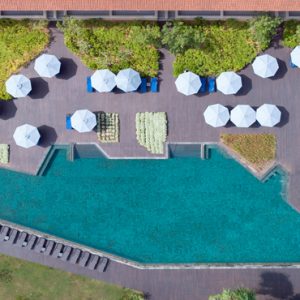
{"points": [[240, 5]]}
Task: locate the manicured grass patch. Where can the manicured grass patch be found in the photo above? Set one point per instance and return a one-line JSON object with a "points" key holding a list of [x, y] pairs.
{"points": [[291, 33], [151, 131], [228, 45], [257, 149], [24, 280], [108, 127], [20, 42], [114, 45], [4, 153]]}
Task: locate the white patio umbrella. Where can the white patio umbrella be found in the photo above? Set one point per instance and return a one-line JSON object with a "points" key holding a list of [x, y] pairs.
{"points": [[26, 136], [103, 80], [18, 86], [268, 115], [47, 65], [265, 66], [128, 80], [295, 56], [229, 83], [243, 116], [216, 115], [188, 83], [83, 120]]}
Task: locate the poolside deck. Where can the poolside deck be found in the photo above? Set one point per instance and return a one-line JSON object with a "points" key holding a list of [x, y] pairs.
{"points": [[51, 99]]}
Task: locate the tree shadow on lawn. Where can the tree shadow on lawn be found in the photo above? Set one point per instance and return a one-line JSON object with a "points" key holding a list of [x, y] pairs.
{"points": [[48, 136]]}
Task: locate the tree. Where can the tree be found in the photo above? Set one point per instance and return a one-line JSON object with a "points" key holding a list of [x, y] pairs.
{"points": [[179, 37], [263, 28], [237, 294]]}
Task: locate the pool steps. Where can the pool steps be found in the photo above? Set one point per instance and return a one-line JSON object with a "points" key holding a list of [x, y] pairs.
{"points": [[39, 244]]}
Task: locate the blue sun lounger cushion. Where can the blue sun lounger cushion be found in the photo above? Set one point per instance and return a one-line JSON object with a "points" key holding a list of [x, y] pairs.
{"points": [[89, 87], [154, 85]]}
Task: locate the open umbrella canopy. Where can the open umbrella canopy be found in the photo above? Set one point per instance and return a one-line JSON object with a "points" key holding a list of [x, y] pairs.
{"points": [[26, 136], [83, 120], [216, 115], [47, 65], [188, 83], [229, 83], [243, 116], [295, 56], [128, 80], [18, 86], [268, 115], [265, 66], [103, 81]]}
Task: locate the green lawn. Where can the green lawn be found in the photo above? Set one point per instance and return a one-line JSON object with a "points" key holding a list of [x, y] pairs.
{"points": [[21, 280], [228, 46], [114, 45], [257, 149], [20, 42]]}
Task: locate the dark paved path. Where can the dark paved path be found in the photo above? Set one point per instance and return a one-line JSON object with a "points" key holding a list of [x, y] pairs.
{"points": [[276, 283]]}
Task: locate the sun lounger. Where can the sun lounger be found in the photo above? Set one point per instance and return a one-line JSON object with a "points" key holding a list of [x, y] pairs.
{"points": [[12, 236], [49, 247], [39, 244], [89, 87], [293, 66], [102, 264], [93, 262], [84, 259], [75, 256], [66, 253], [21, 239], [211, 84], [57, 250], [154, 85], [203, 84], [31, 241], [68, 122], [143, 86], [4, 233]]}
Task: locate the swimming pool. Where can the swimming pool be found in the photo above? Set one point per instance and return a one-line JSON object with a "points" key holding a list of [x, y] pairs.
{"points": [[180, 210]]}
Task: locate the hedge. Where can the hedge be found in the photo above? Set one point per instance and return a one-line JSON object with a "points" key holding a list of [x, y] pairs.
{"points": [[291, 33]]}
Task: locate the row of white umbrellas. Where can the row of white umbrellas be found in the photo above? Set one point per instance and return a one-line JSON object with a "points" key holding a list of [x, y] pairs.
{"points": [[127, 80], [46, 65], [244, 116]]}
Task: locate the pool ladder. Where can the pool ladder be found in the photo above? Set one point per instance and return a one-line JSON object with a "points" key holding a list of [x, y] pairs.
{"points": [[71, 152], [203, 151]]}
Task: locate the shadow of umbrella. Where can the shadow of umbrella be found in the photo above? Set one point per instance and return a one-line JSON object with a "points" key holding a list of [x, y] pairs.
{"points": [[8, 109], [40, 88], [281, 71], [246, 86], [68, 68], [48, 136], [285, 116]]}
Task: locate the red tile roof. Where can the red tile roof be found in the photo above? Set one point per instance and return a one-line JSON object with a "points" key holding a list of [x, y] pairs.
{"points": [[250, 5]]}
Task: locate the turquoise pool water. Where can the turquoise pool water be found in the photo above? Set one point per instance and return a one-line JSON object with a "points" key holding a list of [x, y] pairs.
{"points": [[180, 210]]}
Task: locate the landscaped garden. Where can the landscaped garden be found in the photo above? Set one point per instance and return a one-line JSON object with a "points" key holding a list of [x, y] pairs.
{"points": [[257, 149], [291, 33], [21, 280], [20, 42], [211, 47], [113, 45]]}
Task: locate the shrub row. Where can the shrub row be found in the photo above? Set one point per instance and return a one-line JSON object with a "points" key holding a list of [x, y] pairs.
{"points": [[151, 131]]}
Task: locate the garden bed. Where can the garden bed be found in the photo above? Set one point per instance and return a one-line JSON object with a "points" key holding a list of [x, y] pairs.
{"points": [[114, 45], [259, 150], [20, 42], [108, 127], [151, 131], [291, 33]]}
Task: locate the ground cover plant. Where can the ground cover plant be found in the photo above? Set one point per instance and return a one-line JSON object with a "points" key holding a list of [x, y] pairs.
{"points": [[257, 149], [20, 42], [291, 33], [22, 280], [114, 45], [237, 294], [151, 131], [210, 47], [4, 153], [108, 127]]}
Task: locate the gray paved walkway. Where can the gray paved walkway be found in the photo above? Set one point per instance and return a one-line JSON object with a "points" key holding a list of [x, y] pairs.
{"points": [[277, 283]]}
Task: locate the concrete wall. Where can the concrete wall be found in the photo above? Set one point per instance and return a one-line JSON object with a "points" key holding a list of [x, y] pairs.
{"points": [[143, 15]]}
